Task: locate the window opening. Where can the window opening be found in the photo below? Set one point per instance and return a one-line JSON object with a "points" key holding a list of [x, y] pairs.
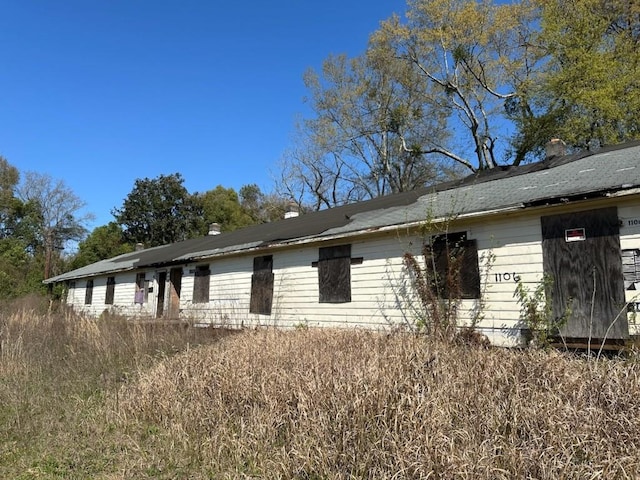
{"points": [[141, 294], [201, 284], [262, 285], [111, 288], [334, 273], [88, 293], [631, 269], [452, 266]]}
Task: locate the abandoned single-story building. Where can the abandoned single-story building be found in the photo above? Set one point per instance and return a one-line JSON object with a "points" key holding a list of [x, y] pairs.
{"points": [[572, 218]]}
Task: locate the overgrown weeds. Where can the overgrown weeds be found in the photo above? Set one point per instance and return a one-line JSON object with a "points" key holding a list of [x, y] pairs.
{"points": [[326, 404], [57, 369], [536, 312], [446, 273], [303, 404], [438, 313]]}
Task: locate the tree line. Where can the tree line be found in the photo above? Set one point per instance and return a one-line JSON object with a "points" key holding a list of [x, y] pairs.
{"points": [[39, 217], [452, 88], [41, 221], [160, 210]]}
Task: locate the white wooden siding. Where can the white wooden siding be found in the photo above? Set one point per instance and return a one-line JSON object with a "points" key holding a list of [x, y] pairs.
{"points": [[123, 298], [513, 254], [629, 216], [509, 251]]}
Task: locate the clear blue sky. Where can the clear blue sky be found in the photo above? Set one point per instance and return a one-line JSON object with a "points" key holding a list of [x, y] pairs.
{"points": [[101, 92]]}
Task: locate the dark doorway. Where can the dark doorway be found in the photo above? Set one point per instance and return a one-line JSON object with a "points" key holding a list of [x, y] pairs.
{"points": [[175, 280], [581, 253], [162, 281]]}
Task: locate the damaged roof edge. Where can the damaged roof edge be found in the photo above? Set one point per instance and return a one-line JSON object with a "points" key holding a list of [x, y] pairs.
{"points": [[199, 256], [554, 182]]}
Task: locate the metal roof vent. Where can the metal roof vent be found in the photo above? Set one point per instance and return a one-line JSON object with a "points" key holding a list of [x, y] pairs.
{"points": [[555, 148], [214, 229]]}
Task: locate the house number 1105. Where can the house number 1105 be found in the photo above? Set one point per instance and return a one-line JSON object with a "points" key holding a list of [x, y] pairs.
{"points": [[506, 277]]}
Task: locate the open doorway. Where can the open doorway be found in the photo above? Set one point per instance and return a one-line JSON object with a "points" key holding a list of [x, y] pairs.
{"points": [[175, 285], [162, 281]]}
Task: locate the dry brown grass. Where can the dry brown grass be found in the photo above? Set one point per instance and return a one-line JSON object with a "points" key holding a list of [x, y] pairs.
{"points": [[58, 371], [326, 404], [113, 399]]}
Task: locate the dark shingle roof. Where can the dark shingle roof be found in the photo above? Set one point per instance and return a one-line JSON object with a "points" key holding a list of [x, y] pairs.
{"points": [[557, 179]]}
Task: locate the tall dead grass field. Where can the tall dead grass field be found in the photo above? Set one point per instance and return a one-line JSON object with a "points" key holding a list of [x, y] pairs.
{"points": [[114, 399]]}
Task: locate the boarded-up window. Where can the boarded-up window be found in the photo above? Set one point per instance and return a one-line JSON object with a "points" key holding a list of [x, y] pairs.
{"points": [[631, 269], [452, 266], [142, 293], [88, 293], [262, 285], [111, 288], [334, 274], [201, 284]]}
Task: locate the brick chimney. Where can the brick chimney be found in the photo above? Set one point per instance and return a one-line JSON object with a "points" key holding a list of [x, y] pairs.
{"points": [[555, 148], [292, 210], [214, 229]]}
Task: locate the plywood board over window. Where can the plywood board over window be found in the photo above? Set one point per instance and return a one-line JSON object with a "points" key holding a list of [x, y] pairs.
{"points": [[587, 272], [262, 285], [452, 266], [201, 284], [334, 273], [111, 289], [88, 293]]}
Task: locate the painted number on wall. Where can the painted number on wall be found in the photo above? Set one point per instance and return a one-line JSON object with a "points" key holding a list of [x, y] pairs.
{"points": [[507, 277]]}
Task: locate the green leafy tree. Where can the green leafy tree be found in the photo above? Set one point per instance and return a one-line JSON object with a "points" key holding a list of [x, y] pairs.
{"points": [[103, 242], [232, 211], [20, 260], [159, 211], [476, 82], [591, 88], [9, 204], [18, 218], [20, 272], [222, 206]]}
